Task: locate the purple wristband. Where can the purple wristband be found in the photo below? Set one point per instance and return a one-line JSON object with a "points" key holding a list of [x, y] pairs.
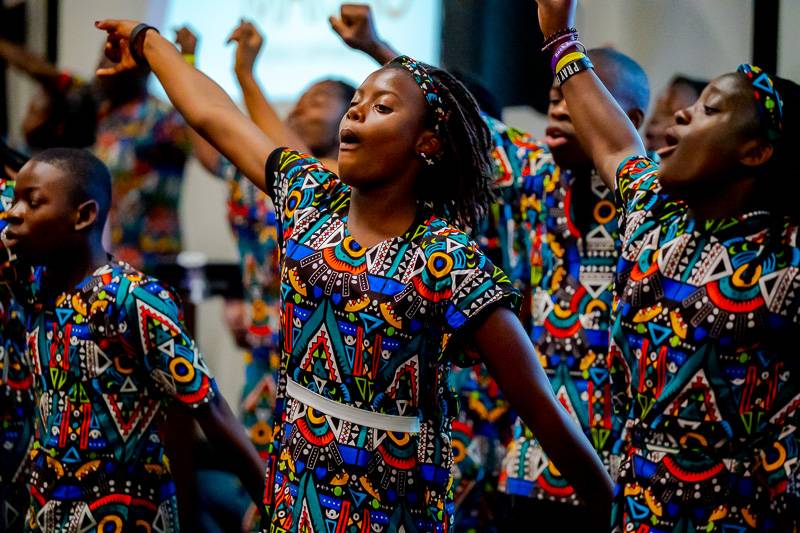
{"points": [[572, 36], [563, 48]]}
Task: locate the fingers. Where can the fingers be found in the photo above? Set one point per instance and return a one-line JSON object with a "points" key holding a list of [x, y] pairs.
{"points": [[337, 25], [109, 25]]}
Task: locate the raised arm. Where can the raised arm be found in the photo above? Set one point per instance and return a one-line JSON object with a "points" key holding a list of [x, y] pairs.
{"points": [[356, 26], [248, 44], [203, 103], [207, 155], [509, 355], [31, 64], [602, 127]]}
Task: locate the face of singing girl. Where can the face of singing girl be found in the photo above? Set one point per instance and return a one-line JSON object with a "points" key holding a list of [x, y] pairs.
{"points": [[384, 131], [714, 142]]}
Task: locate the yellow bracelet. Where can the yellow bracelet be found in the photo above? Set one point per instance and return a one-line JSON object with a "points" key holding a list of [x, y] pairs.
{"points": [[189, 58], [573, 56]]}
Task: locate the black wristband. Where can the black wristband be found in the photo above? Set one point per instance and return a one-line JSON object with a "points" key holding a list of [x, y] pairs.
{"points": [[136, 43], [572, 68]]}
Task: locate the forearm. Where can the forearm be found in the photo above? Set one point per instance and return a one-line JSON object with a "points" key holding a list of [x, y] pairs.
{"points": [[510, 358], [381, 52], [264, 115], [208, 109], [602, 126], [227, 436], [33, 65]]}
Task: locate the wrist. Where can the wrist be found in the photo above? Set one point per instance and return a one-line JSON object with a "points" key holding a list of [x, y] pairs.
{"points": [[139, 43]]}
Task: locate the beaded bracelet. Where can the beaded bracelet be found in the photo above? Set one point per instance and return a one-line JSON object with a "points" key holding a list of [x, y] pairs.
{"points": [[572, 68], [551, 39], [563, 48], [136, 43]]}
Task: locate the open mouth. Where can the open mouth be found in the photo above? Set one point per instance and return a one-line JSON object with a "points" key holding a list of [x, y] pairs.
{"points": [[672, 144], [348, 140], [555, 137]]}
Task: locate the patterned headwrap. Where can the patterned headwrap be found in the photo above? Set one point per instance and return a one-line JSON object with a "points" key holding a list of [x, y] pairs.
{"points": [[768, 101], [429, 87]]}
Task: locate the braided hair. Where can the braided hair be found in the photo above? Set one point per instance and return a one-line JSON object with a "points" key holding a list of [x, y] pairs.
{"points": [[458, 185]]}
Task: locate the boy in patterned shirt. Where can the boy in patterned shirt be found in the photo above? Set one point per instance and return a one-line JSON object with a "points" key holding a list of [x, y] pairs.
{"points": [[108, 352]]}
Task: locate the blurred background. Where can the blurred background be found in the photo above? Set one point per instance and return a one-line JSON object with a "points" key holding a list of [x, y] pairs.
{"points": [[492, 41]]}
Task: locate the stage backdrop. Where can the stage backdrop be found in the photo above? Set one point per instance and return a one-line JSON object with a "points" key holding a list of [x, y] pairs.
{"points": [[300, 46]]}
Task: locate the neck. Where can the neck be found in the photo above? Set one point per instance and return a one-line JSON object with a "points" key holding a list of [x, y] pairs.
{"points": [[380, 213], [725, 199], [85, 258]]}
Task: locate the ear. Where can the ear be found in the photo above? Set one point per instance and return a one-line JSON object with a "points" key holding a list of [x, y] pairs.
{"points": [[755, 152], [87, 215], [636, 116], [428, 143]]}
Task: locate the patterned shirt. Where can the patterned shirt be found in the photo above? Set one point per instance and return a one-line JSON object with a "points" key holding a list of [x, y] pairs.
{"points": [[703, 363], [253, 222], [106, 356], [145, 146], [367, 334], [560, 231], [16, 414], [16, 398]]}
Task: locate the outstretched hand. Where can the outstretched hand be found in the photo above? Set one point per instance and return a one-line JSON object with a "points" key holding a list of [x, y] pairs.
{"points": [[186, 40], [356, 27], [117, 48], [555, 15], [248, 44]]}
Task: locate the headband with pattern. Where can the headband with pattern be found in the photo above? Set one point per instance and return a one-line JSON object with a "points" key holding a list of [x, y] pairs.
{"points": [[768, 101], [429, 87]]}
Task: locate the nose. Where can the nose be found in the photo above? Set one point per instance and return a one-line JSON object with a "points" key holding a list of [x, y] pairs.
{"points": [[14, 214], [558, 110], [354, 113], [683, 116]]}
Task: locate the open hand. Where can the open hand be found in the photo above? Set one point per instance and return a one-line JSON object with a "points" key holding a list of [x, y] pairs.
{"points": [[117, 49], [556, 15], [248, 45], [186, 40], [356, 27]]}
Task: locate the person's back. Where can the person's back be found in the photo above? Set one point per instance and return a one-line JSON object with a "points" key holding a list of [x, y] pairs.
{"points": [[145, 145]]}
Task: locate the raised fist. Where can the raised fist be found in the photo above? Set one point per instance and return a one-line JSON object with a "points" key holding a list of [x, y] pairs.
{"points": [[248, 45], [356, 27]]}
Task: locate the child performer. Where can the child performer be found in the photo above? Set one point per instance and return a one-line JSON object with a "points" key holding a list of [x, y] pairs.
{"points": [[108, 351], [379, 294], [706, 312], [558, 239]]}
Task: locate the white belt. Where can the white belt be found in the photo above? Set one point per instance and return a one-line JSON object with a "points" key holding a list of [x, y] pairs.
{"points": [[393, 423]]}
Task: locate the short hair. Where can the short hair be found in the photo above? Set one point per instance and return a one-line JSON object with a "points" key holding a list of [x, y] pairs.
{"points": [[346, 90], [89, 178], [624, 78], [694, 84]]}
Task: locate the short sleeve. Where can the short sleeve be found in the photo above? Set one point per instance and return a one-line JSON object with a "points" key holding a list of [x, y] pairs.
{"points": [[171, 359], [297, 181], [474, 285], [637, 179]]}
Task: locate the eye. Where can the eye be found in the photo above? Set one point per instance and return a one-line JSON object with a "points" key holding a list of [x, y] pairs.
{"points": [[710, 110], [352, 103], [380, 108]]}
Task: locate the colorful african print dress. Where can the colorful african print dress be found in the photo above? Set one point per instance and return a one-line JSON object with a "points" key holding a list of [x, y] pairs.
{"points": [[106, 357], [704, 364], [362, 433], [145, 146], [253, 222], [565, 228]]}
